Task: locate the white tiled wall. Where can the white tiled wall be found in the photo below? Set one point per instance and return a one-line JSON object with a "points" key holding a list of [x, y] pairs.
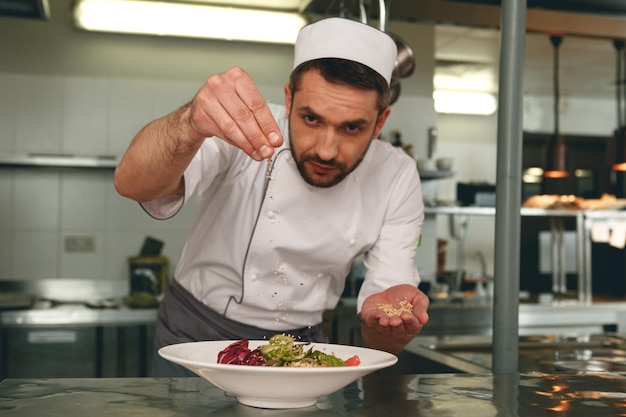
{"points": [[39, 208]]}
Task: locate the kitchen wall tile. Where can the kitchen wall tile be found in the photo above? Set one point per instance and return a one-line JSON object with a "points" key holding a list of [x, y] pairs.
{"points": [[5, 254], [82, 265], [6, 191], [416, 132], [85, 116], [35, 255], [83, 199], [8, 111], [130, 109], [39, 108], [118, 247], [427, 251], [124, 214], [174, 243], [36, 202], [42, 207], [170, 95], [272, 94]]}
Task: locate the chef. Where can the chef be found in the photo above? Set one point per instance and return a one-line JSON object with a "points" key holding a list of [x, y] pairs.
{"points": [[286, 198]]}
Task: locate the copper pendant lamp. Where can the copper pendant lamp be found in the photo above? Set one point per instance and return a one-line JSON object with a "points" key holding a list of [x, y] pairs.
{"points": [[619, 139], [556, 166]]}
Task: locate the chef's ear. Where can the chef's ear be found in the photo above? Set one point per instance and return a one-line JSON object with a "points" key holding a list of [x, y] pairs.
{"points": [[288, 98], [380, 122]]}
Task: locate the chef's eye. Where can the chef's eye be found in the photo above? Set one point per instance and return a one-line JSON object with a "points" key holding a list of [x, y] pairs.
{"points": [[310, 119], [352, 128]]}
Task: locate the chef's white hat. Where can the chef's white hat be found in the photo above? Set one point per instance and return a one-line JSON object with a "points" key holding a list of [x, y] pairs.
{"points": [[337, 37]]}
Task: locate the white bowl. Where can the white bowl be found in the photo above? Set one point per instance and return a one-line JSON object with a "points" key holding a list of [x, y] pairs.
{"points": [[444, 164], [275, 387], [426, 165]]}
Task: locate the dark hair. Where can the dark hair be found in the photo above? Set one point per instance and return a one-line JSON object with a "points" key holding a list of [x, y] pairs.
{"points": [[344, 72]]}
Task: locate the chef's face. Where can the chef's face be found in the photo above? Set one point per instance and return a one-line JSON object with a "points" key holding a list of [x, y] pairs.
{"points": [[331, 127]]}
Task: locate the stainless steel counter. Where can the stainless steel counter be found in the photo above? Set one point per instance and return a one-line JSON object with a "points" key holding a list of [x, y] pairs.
{"points": [[542, 353], [553, 318], [526, 395], [77, 315], [73, 340], [72, 302], [475, 317]]}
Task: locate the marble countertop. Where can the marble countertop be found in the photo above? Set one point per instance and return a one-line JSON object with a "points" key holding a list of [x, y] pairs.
{"points": [[482, 395]]}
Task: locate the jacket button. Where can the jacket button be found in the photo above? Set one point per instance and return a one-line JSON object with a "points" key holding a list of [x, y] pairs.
{"points": [[271, 215], [253, 277], [352, 242]]}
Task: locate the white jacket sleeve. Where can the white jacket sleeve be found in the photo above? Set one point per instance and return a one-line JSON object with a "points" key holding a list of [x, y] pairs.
{"points": [[391, 261]]}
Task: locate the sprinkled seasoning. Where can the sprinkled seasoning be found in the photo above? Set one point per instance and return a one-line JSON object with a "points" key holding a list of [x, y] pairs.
{"points": [[268, 171], [278, 273], [391, 311]]}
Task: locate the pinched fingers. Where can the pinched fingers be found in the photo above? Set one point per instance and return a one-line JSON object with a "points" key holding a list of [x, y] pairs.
{"points": [[241, 115]]}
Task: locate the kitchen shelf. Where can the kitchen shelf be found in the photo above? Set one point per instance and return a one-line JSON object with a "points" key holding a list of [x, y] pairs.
{"points": [[58, 161], [585, 220], [435, 175]]}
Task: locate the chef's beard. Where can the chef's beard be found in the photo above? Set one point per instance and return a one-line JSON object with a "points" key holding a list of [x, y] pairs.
{"points": [[328, 182]]}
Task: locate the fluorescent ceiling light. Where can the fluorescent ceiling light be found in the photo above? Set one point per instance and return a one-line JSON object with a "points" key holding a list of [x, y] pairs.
{"points": [[479, 81], [262, 4], [188, 20], [464, 102]]}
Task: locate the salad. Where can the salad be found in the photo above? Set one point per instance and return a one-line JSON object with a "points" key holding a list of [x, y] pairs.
{"points": [[282, 350]]}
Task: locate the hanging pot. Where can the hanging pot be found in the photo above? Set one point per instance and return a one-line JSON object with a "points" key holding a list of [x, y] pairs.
{"points": [[394, 89], [405, 61]]}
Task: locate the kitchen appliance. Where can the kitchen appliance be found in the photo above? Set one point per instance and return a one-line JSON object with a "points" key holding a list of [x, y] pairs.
{"points": [[480, 194], [149, 270], [90, 350], [72, 328]]}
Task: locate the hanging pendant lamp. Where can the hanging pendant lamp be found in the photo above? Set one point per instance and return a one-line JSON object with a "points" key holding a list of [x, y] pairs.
{"points": [[619, 137], [556, 166]]}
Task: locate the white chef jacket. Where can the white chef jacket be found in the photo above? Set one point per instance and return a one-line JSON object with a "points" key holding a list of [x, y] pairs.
{"points": [[275, 253]]}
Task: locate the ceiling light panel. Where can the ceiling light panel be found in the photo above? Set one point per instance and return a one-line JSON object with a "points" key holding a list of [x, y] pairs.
{"points": [[255, 4], [188, 20], [468, 76], [464, 102]]}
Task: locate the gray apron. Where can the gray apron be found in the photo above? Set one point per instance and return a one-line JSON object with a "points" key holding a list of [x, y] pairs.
{"points": [[182, 318]]}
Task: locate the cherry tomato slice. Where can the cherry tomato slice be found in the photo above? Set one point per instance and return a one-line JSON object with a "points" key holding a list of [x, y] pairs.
{"points": [[353, 361]]}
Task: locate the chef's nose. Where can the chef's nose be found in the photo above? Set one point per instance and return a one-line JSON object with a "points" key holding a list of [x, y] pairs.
{"points": [[327, 145]]}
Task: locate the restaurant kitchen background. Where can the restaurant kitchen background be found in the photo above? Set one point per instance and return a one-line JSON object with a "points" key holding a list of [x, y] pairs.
{"points": [[66, 91], [70, 92], [82, 96]]}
